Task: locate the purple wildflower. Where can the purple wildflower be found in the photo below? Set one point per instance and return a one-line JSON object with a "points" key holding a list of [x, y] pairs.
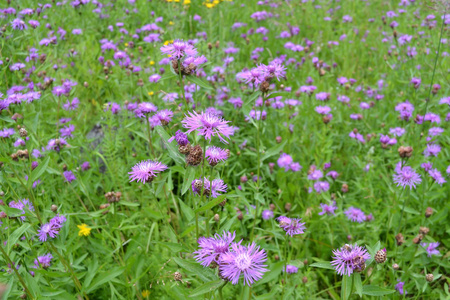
{"points": [[355, 214], [290, 269], [208, 125], [328, 209], [406, 176], [291, 226], [21, 205], [432, 150], [214, 155], [179, 49], [69, 176], [267, 214], [431, 248], [44, 261], [246, 260], [399, 287], [349, 259], [321, 186], [47, 230], [437, 176], [211, 248], [146, 170]]}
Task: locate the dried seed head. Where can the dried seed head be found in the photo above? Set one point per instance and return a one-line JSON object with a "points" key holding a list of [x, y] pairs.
{"points": [[195, 156], [276, 257], [305, 279], [344, 188], [240, 215], [424, 230], [288, 206], [105, 205], [400, 239], [429, 277], [198, 184], [405, 151], [417, 239], [428, 212], [177, 276], [272, 207], [380, 256], [223, 203], [23, 132], [264, 86]]}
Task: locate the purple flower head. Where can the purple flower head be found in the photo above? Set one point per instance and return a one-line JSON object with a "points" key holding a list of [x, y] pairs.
{"points": [[333, 174], [323, 110], [285, 161], [44, 261], [315, 175], [85, 166], [291, 226], [179, 49], [18, 24], [146, 170], [67, 131], [431, 248], [399, 287], [22, 205], [69, 176], [246, 260], [349, 259], [416, 82], [164, 116], [180, 137], [55, 144], [147, 107], [47, 230], [406, 176], [214, 155], [432, 150], [211, 248], [328, 209], [321, 186], [355, 214], [267, 214], [207, 125], [290, 269]]}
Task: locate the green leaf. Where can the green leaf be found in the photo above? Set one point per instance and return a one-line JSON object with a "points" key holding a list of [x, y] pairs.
{"points": [[323, 265], [15, 236], [346, 287], [214, 202], [167, 76], [6, 119], [187, 211], [174, 247], [373, 290], [205, 274], [272, 151], [40, 169], [104, 278], [189, 176], [125, 203], [277, 94], [206, 288], [200, 82], [10, 211], [173, 152], [275, 271], [228, 224], [358, 284]]}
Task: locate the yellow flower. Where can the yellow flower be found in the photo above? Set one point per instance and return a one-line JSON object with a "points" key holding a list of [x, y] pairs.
{"points": [[126, 44], [168, 55], [166, 43], [170, 23], [152, 63], [209, 5], [176, 0], [84, 230], [216, 2], [151, 93], [186, 2], [169, 0], [145, 293]]}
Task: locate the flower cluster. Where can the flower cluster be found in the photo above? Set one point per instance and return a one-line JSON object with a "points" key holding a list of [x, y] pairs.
{"points": [[51, 229]]}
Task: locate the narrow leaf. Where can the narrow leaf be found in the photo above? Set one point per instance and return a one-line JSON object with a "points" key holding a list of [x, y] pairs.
{"points": [[358, 284], [323, 265], [346, 287], [189, 176], [204, 274], [373, 290], [38, 172], [173, 152], [206, 288], [200, 82]]}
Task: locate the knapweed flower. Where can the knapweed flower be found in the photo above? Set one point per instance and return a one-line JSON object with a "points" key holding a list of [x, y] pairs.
{"points": [[246, 260], [208, 125], [399, 287], [290, 269], [355, 214], [349, 259], [84, 230], [437, 176], [214, 155], [211, 248], [85, 166], [431, 248], [432, 150], [267, 214], [328, 209], [179, 49], [321, 186], [164, 116], [406, 176], [21, 205], [47, 230], [291, 226], [210, 188], [44, 261], [146, 170], [69, 176]]}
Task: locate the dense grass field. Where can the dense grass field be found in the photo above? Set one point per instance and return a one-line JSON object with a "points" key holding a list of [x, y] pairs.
{"points": [[224, 150]]}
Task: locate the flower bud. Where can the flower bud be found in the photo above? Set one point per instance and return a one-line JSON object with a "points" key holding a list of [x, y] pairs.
{"points": [[380, 256], [428, 212], [395, 266], [177, 276], [216, 218], [429, 277], [54, 208]]}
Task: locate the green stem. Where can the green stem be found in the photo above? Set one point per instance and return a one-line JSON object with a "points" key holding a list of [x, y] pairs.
{"points": [[403, 209], [150, 137], [15, 271]]}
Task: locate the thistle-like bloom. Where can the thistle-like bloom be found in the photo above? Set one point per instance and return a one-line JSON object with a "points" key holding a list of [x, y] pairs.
{"points": [[355, 214], [291, 226], [431, 248], [246, 260], [432, 150], [290, 269], [437, 176], [208, 125], [21, 204], [179, 49], [328, 209], [349, 259], [69, 176], [321, 186], [399, 287], [146, 170], [214, 155], [47, 230], [267, 214], [44, 261], [406, 176], [211, 248], [164, 116]]}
